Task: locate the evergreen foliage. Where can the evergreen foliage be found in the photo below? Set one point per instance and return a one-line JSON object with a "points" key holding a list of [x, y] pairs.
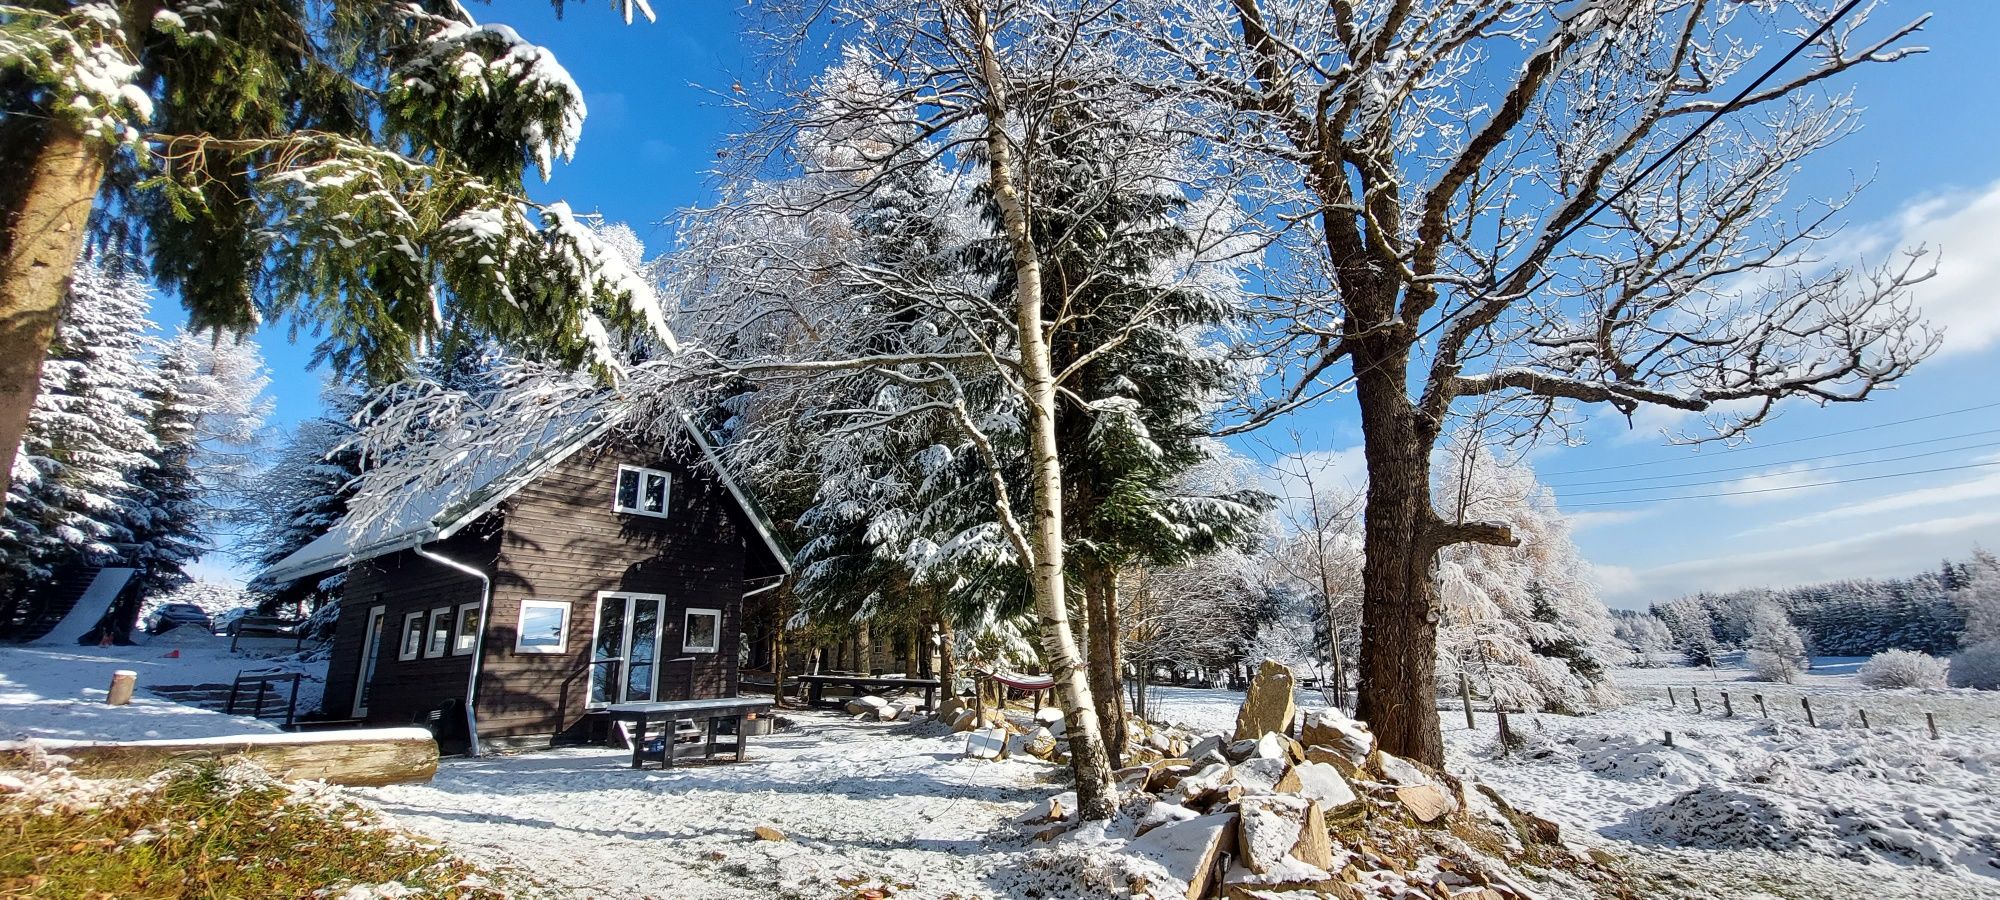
{"points": [[358, 166], [1855, 617]]}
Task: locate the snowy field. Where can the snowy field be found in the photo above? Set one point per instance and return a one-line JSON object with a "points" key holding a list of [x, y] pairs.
{"points": [[1747, 807], [58, 692], [861, 806]]}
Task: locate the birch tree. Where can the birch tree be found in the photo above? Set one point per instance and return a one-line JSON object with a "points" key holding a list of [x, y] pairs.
{"points": [[1536, 206]]}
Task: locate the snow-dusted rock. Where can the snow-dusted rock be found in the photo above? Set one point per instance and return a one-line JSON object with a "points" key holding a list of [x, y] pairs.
{"points": [[866, 704], [1269, 705], [1285, 836], [1331, 728], [1047, 716], [1186, 850], [987, 743], [1039, 743], [1261, 775], [1319, 782]]}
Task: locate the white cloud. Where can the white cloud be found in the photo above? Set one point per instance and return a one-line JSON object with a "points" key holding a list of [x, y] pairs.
{"points": [[1977, 487], [1888, 552], [1772, 485], [1614, 580], [1342, 470], [1962, 231]]}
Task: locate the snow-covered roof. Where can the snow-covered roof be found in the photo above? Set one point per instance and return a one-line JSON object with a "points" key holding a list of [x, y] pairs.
{"points": [[471, 486]]}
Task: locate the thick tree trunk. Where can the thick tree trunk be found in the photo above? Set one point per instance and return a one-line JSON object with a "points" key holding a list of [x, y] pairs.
{"points": [[1096, 794], [1100, 597], [1398, 695], [51, 177]]}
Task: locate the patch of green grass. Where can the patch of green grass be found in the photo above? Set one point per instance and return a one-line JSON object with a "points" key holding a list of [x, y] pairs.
{"points": [[214, 833]]}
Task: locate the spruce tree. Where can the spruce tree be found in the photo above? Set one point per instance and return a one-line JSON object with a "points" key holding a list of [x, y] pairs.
{"points": [[354, 165]]}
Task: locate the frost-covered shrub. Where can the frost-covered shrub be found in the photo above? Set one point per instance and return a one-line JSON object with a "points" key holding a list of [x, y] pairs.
{"points": [[1768, 666], [1903, 669], [1977, 666]]}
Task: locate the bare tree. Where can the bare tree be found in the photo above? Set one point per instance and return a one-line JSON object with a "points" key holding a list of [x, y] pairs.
{"points": [[1533, 204], [1321, 550]]}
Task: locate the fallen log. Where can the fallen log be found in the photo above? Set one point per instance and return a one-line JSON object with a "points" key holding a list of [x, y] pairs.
{"points": [[360, 757]]}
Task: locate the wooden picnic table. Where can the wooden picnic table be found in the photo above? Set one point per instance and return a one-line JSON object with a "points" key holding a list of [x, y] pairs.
{"points": [[816, 685], [705, 714]]}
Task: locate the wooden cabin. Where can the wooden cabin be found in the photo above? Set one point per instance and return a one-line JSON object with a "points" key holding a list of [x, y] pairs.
{"points": [[584, 567]]}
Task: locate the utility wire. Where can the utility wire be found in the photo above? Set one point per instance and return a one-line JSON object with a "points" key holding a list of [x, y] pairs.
{"points": [[1789, 487], [1786, 462], [1798, 440], [1871, 462]]}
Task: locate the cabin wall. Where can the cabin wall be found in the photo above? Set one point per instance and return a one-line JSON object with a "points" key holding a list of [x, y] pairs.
{"points": [[404, 583], [563, 542]]}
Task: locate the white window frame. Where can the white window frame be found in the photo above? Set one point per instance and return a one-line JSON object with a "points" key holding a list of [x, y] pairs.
{"points": [[685, 631], [625, 669], [462, 643], [666, 492], [371, 633], [562, 635], [407, 649], [437, 632]]}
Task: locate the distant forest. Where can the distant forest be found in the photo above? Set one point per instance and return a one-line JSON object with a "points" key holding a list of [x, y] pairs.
{"points": [[1851, 617]]}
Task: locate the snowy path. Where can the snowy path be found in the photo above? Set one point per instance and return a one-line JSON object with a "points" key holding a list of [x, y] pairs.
{"points": [[860, 804]]}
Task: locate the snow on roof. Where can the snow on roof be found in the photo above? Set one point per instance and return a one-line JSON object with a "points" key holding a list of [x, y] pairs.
{"points": [[381, 521], [469, 485]]}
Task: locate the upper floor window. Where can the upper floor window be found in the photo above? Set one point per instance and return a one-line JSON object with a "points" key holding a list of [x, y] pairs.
{"points": [[641, 491]]}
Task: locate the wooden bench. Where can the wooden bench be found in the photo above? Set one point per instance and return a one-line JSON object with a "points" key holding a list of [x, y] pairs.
{"points": [[816, 685], [706, 715]]}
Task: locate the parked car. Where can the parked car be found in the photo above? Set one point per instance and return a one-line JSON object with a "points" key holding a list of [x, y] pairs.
{"points": [[174, 615]]}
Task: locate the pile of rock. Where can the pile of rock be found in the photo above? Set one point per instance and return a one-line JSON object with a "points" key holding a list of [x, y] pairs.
{"points": [[882, 709], [1262, 815]]}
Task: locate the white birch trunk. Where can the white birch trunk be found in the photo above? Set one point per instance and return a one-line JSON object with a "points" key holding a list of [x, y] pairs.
{"points": [[1096, 794]]}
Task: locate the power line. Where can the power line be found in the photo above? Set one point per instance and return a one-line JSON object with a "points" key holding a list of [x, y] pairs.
{"points": [[1789, 487], [1871, 462], [1788, 441], [1787, 462]]}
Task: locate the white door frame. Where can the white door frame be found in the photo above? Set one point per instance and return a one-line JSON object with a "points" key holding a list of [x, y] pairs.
{"points": [[625, 650], [371, 653]]}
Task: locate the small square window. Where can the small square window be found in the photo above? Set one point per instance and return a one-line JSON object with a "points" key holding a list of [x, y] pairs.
{"points": [[467, 634], [413, 637], [642, 491], [704, 631], [544, 627], [439, 631]]}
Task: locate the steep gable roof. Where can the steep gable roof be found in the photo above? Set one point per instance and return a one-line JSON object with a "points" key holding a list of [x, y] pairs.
{"points": [[483, 477]]}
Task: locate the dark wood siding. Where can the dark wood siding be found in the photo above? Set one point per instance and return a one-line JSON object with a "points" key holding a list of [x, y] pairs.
{"points": [[563, 542], [403, 583]]}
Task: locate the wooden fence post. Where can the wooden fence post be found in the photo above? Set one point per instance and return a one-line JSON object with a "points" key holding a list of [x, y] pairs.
{"points": [[1728, 710], [1931, 719], [1465, 695], [1807, 703], [1671, 702], [1864, 718], [1696, 694], [1670, 738], [1761, 710], [1506, 734]]}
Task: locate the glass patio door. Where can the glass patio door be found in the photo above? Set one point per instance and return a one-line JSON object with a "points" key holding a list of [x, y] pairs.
{"points": [[625, 654]]}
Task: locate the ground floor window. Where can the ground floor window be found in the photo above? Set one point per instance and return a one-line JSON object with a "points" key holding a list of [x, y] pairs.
{"points": [[544, 627], [413, 637], [704, 631], [439, 631], [467, 635]]}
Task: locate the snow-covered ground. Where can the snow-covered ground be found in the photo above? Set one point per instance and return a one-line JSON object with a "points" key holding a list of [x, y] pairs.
{"points": [[58, 692], [1743, 806], [860, 805]]}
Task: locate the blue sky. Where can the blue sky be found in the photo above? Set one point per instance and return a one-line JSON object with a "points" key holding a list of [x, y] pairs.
{"points": [[1927, 147]]}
